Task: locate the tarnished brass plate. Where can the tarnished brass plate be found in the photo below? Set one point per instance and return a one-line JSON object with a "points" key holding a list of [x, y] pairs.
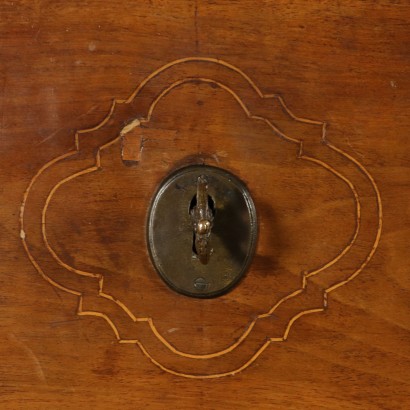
{"points": [[171, 233]]}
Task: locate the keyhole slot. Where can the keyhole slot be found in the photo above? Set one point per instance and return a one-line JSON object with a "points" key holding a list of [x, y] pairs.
{"points": [[192, 205], [211, 204]]}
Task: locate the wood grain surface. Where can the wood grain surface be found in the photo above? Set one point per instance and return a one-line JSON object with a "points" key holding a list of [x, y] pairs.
{"points": [[306, 102]]}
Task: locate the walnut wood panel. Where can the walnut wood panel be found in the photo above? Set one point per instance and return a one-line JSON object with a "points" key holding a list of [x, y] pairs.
{"points": [[306, 103]]}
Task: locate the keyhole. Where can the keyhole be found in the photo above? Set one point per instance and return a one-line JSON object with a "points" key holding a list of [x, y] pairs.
{"points": [[192, 205], [211, 204]]}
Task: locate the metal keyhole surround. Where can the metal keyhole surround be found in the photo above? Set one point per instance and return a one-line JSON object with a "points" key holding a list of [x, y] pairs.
{"points": [[202, 230]]}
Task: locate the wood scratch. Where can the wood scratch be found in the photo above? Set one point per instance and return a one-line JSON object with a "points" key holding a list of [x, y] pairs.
{"points": [[353, 148], [196, 27], [48, 137], [2, 105], [37, 365]]}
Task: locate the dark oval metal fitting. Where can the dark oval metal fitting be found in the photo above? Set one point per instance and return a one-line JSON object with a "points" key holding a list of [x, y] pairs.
{"points": [[193, 260]]}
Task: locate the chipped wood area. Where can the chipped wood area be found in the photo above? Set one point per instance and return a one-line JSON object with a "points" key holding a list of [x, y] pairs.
{"points": [[134, 139]]}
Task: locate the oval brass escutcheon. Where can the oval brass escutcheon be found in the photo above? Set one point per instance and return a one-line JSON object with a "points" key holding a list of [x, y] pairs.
{"points": [[202, 230]]}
